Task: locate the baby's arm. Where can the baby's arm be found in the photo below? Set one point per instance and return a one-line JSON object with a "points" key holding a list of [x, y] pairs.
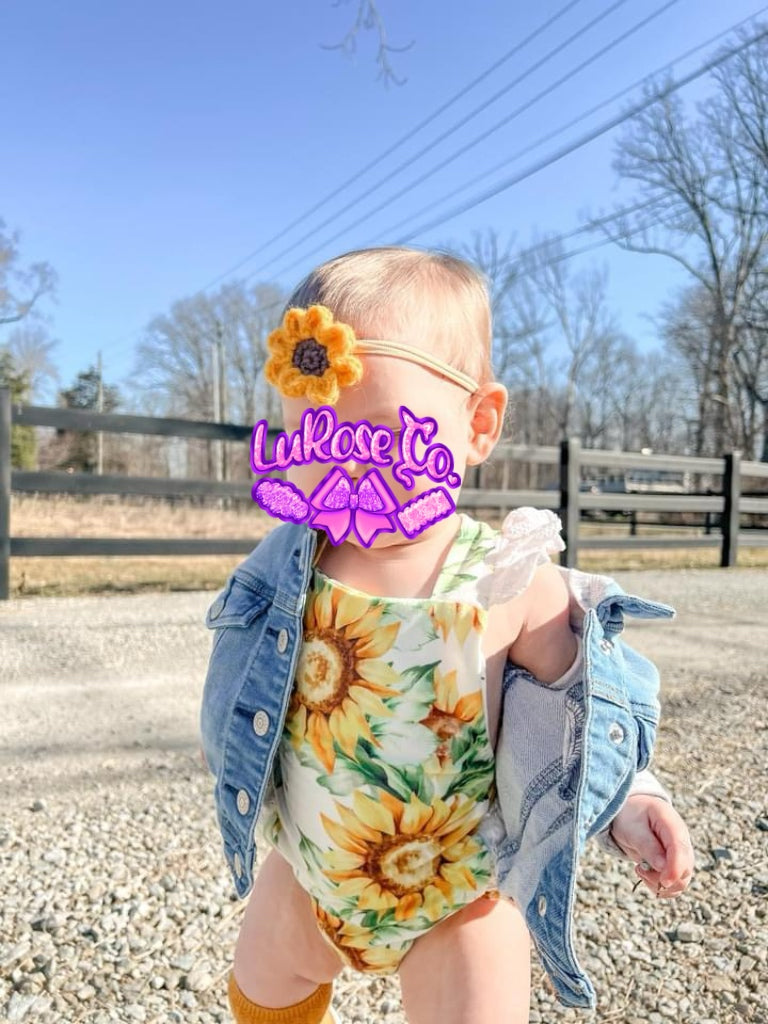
{"points": [[647, 829], [544, 642]]}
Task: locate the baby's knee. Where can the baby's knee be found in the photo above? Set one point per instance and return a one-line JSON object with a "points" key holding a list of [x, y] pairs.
{"points": [[280, 933]]}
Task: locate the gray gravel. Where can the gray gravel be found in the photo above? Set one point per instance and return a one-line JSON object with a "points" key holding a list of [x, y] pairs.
{"points": [[116, 904]]}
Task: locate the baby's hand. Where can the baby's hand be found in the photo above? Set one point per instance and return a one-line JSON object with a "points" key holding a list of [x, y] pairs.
{"points": [[651, 832]]}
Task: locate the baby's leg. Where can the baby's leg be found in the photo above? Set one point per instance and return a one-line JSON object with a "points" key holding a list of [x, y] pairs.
{"points": [[472, 968], [281, 959]]}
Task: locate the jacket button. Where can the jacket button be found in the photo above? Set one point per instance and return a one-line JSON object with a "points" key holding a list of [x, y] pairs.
{"points": [[541, 906], [238, 865], [616, 733], [282, 640], [606, 646], [261, 723], [216, 608], [243, 801]]}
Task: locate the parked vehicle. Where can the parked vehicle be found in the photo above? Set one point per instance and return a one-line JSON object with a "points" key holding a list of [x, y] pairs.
{"points": [[638, 481]]}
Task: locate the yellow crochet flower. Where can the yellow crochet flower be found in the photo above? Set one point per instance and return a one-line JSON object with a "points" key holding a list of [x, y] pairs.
{"points": [[311, 354]]}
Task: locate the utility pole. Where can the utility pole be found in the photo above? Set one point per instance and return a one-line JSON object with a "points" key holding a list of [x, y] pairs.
{"points": [[216, 409], [100, 435], [223, 403]]}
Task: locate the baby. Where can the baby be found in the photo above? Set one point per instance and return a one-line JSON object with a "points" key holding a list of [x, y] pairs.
{"points": [[429, 723]]}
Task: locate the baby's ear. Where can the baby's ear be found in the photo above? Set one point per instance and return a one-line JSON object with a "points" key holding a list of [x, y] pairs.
{"points": [[487, 406]]}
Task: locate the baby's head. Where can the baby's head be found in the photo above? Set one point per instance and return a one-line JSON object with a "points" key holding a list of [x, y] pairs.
{"points": [[422, 330], [429, 300]]}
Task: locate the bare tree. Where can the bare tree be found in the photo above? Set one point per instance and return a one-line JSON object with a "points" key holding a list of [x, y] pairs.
{"points": [[23, 439], [751, 372], [687, 325], [712, 190], [209, 339], [743, 83], [586, 330], [557, 345], [247, 318], [31, 349], [515, 313], [750, 368], [21, 288], [25, 362], [176, 357], [519, 347]]}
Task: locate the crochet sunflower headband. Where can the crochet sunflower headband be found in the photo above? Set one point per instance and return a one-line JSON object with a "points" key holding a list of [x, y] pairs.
{"points": [[312, 354]]}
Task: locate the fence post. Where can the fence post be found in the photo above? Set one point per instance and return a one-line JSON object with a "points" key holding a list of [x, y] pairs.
{"points": [[729, 552], [570, 478], [5, 493]]}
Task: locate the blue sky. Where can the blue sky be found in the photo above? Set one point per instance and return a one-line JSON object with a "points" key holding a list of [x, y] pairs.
{"points": [[150, 146]]}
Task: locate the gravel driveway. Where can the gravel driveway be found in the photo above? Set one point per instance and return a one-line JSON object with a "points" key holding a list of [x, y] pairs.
{"points": [[116, 905]]}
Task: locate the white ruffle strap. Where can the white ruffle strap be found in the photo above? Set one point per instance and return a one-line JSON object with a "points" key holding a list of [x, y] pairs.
{"points": [[528, 537]]}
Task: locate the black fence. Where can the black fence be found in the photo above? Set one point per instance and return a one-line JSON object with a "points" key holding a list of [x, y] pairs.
{"points": [[725, 507]]}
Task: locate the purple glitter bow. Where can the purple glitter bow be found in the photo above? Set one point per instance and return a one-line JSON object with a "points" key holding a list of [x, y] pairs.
{"points": [[339, 507]]}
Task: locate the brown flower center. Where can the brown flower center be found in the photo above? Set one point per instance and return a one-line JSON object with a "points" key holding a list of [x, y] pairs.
{"points": [[405, 864], [442, 723], [324, 672], [310, 357]]}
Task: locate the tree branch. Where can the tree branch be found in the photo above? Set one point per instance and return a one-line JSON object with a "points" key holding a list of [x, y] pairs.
{"points": [[368, 19]]}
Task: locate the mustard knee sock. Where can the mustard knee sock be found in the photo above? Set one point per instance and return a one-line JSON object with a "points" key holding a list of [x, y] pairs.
{"points": [[312, 1010]]}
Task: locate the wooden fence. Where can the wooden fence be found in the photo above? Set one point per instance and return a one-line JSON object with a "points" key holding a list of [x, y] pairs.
{"points": [[568, 499]]}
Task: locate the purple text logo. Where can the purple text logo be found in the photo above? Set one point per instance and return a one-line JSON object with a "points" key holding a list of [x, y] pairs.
{"points": [[338, 504]]}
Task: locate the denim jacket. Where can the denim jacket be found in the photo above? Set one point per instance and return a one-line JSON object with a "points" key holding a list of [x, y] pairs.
{"points": [[567, 755]]}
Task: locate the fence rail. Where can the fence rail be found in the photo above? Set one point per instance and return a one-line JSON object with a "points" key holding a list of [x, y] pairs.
{"points": [[567, 499]]}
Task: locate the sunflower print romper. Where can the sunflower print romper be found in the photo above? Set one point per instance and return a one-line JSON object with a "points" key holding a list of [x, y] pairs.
{"points": [[385, 769]]}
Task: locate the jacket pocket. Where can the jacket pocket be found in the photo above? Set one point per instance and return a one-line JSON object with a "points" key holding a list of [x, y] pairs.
{"points": [[239, 603], [239, 607], [642, 683], [612, 743], [630, 682], [646, 739]]}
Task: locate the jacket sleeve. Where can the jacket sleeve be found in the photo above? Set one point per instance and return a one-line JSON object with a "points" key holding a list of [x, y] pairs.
{"points": [[644, 783]]}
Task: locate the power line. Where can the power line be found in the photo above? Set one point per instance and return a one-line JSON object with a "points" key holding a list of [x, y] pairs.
{"points": [[465, 148], [569, 254], [565, 9], [444, 135], [555, 239], [401, 141], [585, 139], [570, 124], [589, 228]]}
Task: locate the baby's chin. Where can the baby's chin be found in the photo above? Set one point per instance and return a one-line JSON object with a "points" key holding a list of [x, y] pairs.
{"points": [[381, 540], [396, 539]]}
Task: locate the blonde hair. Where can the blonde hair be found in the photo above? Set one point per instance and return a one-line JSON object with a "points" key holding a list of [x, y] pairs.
{"points": [[428, 299]]}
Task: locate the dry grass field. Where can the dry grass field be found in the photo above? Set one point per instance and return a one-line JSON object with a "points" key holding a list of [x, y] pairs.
{"points": [[99, 516], [68, 516]]}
